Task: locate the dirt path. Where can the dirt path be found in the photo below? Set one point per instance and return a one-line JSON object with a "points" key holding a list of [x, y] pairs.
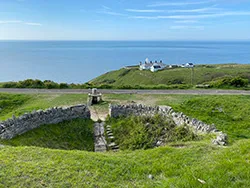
{"points": [[116, 91], [97, 114]]}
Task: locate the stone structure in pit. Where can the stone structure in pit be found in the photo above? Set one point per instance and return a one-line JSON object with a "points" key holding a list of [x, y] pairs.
{"points": [[178, 117]]}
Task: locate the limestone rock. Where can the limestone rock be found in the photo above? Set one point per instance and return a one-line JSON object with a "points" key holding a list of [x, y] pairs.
{"points": [[221, 139]]}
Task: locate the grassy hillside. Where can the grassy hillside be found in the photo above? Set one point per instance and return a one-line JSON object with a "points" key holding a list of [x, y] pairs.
{"points": [[179, 164], [202, 74], [68, 135]]}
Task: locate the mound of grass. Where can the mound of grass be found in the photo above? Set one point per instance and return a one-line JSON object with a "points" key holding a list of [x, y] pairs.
{"points": [[144, 132], [68, 135]]}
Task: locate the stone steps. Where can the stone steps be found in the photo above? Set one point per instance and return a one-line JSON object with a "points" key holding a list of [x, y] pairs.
{"points": [[113, 146]]}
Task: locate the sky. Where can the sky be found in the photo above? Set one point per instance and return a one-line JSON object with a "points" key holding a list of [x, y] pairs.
{"points": [[124, 19]]}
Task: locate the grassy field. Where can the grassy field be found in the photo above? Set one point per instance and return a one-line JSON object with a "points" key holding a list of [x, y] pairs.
{"points": [[202, 74], [19, 104], [180, 164]]}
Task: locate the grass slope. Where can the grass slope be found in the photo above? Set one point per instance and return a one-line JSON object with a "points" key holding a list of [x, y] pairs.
{"points": [[135, 77], [170, 167], [68, 135]]}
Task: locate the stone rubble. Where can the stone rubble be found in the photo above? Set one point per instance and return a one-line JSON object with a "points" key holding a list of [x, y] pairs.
{"points": [[221, 139]]}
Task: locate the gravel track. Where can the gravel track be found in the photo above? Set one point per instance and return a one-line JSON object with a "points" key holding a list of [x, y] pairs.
{"points": [[133, 91]]}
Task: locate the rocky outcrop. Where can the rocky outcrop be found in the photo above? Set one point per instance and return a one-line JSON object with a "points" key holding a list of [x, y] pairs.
{"points": [[19, 125]]}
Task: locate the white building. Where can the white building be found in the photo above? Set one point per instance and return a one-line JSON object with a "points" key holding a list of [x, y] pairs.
{"points": [[189, 65], [153, 67]]}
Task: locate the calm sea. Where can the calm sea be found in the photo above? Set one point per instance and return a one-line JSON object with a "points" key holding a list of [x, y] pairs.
{"points": [[81, 61]]}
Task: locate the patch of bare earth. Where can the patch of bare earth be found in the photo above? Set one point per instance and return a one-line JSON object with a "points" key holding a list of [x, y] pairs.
{"points": [[97, 114]]}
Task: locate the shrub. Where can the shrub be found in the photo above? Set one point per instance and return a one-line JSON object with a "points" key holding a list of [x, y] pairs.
{"points": [[50, 84], [29, 83], [229, 82], [124, 72], [177, 81], [108, 81], [63, 86], [239, 82], [10, 85], [105, 86]]}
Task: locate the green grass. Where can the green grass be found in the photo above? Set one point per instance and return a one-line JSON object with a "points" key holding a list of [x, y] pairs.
{"points": [[230, 114], [19, 104], [171, 167], [202, 74], [10, 102], [144, 132], [68, 135], [178, 164]]}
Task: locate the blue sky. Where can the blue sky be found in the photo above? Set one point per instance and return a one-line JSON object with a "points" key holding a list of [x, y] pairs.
{"points": [[124, 19]]}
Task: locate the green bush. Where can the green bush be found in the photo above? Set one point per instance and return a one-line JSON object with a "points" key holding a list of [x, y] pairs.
{"points": [[10, 85], [124, 72], [63, 86], [229, 82], [105, 86], [50, 84], [108, 81], [29, 83]]}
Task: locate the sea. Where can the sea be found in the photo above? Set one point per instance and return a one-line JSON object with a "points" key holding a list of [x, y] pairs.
{"points": [[81, 61]]}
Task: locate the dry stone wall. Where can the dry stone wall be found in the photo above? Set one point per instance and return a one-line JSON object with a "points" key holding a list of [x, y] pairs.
{"points": [[178, 117], [19, 125]]}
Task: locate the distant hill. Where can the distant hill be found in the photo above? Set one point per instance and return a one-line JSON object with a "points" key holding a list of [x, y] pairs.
{"points": [[176, 76]]}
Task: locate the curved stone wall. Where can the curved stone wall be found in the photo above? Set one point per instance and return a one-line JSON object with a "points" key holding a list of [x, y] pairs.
{"points": [[178, 117], [19, 125]]}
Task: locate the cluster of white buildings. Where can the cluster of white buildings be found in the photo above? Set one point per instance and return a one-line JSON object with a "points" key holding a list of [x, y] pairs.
{"points": [[156, 66]]}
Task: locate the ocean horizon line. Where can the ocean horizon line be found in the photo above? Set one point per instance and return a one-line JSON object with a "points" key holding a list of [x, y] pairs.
{"points": [[65, 40]]}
